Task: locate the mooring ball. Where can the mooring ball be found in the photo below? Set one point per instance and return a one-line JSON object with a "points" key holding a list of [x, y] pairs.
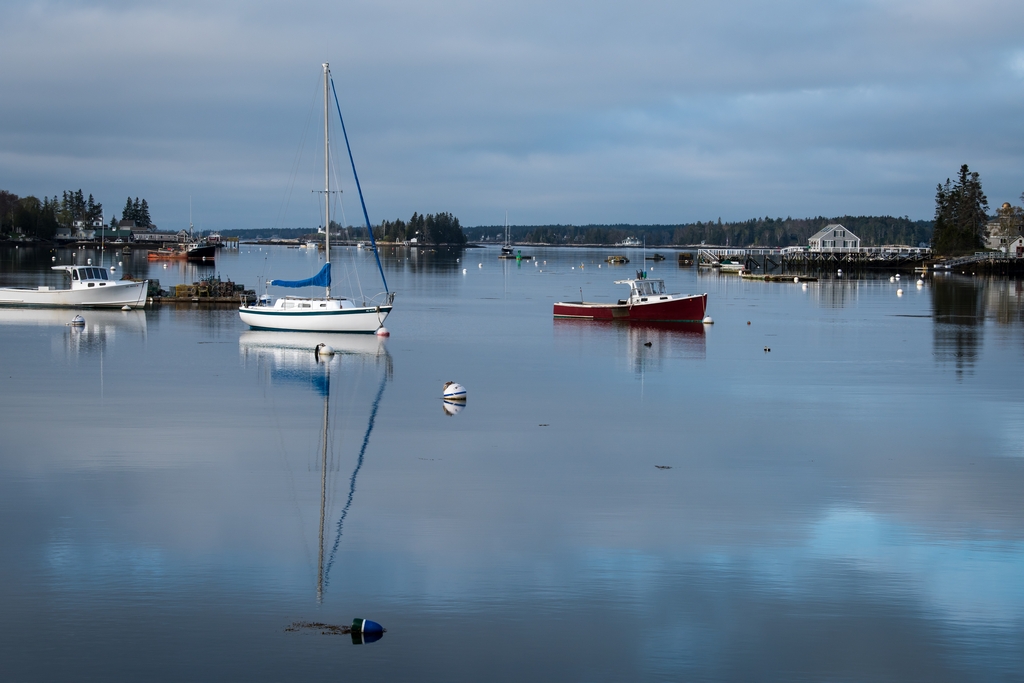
{"points": [[324, 350], [899, 292], [366, 626], [796, 279], [382, 332], [708, 321]]}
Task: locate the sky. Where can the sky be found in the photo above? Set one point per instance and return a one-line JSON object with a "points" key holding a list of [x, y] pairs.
{"points": [[557, 111]]}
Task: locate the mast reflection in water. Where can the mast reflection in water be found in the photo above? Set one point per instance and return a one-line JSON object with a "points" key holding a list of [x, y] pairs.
{"points": [[290, 358]]}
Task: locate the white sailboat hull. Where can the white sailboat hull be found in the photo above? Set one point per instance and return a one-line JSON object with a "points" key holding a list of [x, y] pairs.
{"points": [[112, 294], [357, 319]]}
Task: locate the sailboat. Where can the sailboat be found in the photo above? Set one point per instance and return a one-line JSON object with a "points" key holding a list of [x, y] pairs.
{"points": [[507, 252], [326, 313]]}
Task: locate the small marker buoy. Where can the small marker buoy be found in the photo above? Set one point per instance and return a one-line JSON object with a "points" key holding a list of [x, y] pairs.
{"points": [[77, 321], [796, 279], [463, 271], [920, 283], [748, 322], [53, 258], [322, 349], [120, 263], [88, 261], [126, 307], [892, 279], [897, 276], [805, 285], [452, 391], [382, 332], [479, 265], [899, 292], [366, 631], [707, 320], [574, 267]]}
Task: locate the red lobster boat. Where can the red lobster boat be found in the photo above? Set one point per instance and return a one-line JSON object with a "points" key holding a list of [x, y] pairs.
{"points": [[648, 301]]}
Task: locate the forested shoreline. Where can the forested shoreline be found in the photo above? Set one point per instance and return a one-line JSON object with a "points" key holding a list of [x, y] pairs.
{"points": [[755, 232]]}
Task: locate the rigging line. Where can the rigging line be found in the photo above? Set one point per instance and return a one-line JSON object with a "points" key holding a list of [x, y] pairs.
{"points": [[359, 187], [352, 481], [286, 200]]}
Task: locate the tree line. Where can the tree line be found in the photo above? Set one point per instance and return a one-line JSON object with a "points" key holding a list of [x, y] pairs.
{"points": [[757, 232], [961, 215], [432, 228], [40, 218]]}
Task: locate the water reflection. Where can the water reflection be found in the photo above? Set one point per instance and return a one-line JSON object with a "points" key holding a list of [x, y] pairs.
{"points": [[647, 345], [835, 293], [289, 359], [101, 326], [958, 309]]}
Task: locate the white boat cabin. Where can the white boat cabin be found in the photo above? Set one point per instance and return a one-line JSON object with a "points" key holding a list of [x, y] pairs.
{"points": [[301, 304], [83, 277], [644, 290]]}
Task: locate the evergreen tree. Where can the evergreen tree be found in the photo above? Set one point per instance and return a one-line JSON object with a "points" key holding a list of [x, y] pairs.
{"points": [[961, 212], [143, 215], [128, 213]]}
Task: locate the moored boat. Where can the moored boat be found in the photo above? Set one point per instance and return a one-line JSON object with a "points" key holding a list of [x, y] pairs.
{"points": [[648, 301], [325, 313], [91, 287]]}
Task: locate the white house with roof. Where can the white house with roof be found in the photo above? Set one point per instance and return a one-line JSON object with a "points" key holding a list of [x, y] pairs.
{"points": [[834, 237]]}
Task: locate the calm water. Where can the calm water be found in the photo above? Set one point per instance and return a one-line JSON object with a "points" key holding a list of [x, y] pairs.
{"points": [[846, 506]]}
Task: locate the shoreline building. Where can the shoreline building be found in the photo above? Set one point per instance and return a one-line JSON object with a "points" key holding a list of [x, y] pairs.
{"points": [[834, 237]]}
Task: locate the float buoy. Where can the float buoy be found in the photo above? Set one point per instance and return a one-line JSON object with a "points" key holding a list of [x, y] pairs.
{"points": [[322, 349], [708, 321], [453, 391], [77, 321], [126, 307], [382, 332], [366, 631], [796, 279], [899, 292]]}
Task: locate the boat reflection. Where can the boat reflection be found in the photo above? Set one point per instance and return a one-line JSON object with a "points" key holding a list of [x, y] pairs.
{"points": [[647, 345], [290, 359], [101, 326]]}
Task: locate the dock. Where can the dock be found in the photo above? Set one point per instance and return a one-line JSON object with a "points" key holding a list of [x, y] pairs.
{"points": [[766, 277]]}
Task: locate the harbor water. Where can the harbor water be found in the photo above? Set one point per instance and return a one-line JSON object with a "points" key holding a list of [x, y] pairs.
{"points": [[825, 484]]}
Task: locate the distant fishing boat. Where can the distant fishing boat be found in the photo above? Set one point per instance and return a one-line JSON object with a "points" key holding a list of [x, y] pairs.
{"points": [[648, 301], [326, 313], [90, 287]]}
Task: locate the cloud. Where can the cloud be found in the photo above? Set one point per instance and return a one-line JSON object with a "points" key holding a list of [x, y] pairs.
{"points": [[572, 112]]}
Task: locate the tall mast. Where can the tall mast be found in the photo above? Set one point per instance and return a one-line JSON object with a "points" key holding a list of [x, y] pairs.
{"points": [[327, 171]]}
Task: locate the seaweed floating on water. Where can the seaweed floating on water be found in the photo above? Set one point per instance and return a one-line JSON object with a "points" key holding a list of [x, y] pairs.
{"points": [[664, 467], [325, 629]]}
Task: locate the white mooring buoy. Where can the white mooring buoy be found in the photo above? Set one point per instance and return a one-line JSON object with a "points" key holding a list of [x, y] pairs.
{"points": [[920, 283], [126, 307], [453, 391], [892, 279], [796, 279], [322, 349], [382, 332], [77, 321], [463, 271], [899, 292], [707, 320]]}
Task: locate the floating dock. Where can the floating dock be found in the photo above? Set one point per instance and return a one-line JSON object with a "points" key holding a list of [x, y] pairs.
{"points": [[778, 278]]}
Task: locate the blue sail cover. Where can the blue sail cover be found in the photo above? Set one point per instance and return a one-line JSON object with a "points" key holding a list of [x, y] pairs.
{"points": [[321, 279]]}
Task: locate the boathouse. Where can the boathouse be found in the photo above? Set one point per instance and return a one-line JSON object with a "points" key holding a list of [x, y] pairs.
{"points": [[834, 237]]}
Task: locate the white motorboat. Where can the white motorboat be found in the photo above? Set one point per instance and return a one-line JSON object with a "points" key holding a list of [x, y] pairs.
{"points": [[91, 287], [326, 313]]}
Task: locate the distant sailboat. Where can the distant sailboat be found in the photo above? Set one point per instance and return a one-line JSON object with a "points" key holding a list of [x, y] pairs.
{"points": [[323, 314]]}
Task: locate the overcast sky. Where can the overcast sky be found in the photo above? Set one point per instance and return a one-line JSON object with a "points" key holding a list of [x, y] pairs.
{"points": [[560, 112]]}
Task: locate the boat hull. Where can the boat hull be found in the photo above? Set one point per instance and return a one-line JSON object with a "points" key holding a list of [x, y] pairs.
{"points": [[681, 309], [112, 295], [357, 320]]}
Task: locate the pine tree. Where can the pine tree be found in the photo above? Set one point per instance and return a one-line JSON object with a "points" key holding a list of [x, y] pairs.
{"points": [[961, 212], [128, 213], [143, 219]]}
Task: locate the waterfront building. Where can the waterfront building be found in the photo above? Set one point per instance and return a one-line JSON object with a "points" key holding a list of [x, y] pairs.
{"points": [[833, 237]]}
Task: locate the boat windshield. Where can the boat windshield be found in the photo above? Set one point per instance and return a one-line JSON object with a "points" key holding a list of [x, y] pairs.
{"points": [[650, 287]]}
